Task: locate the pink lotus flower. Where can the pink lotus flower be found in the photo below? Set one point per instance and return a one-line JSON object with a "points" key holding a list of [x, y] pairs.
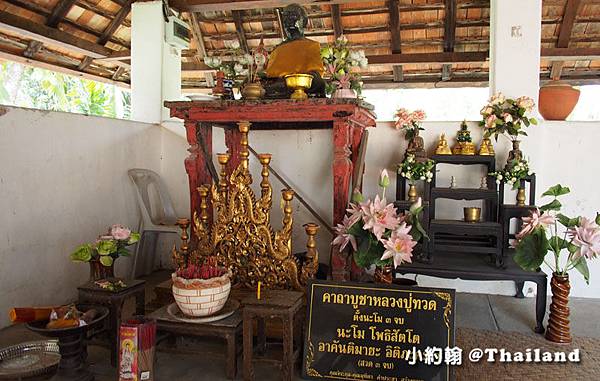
{"points": [[531, 223], [497, 99], [399, 246], [486, 110], [586, 237], [119, 232], [343, 237], [378, 216]]}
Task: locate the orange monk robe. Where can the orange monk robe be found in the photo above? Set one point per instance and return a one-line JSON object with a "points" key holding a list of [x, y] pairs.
{"points": [[295, 57]]}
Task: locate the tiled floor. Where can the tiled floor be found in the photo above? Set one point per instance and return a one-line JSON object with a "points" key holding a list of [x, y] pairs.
{"points": [[489, 312]]}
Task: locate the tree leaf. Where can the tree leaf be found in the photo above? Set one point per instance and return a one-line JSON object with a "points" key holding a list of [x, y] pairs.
{"points": [[106, 260], [532, 249], [554, 205], [566, 221], [582, 267], [557, 190], [598, 218]]}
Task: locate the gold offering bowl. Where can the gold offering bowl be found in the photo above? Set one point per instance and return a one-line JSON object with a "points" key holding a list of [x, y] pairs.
{"points": [[472, 214], [299, 83]]}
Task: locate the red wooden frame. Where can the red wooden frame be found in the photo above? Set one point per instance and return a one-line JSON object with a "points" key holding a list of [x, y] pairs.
{"points": [[347, 118]]}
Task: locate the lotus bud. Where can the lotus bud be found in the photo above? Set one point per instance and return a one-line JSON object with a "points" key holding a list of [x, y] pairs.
{"points": [[384, 179]]}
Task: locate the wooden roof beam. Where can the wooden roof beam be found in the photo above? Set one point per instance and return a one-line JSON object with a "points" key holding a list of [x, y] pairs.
{"points": [[60, 69], [449, 35], [336, 20], [59, 12], [32, 48], [201, 51], [108, 32], [566, 28], [115, 23], [230, 5], [239, 30], [396, 41]]}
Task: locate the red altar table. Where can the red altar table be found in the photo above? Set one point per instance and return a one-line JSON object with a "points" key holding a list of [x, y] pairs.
{"points": [[347, 118]]}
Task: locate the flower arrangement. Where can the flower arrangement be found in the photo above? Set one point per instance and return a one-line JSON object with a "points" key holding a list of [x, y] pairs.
{"points": [[506, 116], [107, 247], [414, 170], [340, 63], [410, 122], [512, 175], [579, 238], [242, 67], [205, 271], [378, 234]]}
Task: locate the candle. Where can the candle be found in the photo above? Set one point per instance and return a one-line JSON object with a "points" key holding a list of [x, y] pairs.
{"points": [[258, 291]]}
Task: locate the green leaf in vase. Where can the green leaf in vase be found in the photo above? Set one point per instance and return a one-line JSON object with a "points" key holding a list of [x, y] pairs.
{"points": [[532, 249]]}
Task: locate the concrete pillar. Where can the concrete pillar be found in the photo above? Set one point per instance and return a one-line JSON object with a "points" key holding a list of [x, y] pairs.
{"points": [[155, 65], [515, 41]]}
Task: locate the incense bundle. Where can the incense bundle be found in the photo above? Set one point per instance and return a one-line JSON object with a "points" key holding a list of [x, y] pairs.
{"points": [[29, 314]]}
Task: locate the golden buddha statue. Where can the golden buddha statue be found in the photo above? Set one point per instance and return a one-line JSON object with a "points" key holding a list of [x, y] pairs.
{"points": [[295, 55], [486, 148], [442, 147]]}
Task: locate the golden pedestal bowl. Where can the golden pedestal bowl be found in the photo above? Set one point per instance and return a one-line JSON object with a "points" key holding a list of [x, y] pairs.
{"points": [[298, 83], [472, 214]]}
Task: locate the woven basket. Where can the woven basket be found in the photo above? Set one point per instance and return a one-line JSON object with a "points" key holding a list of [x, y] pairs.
{"points": [[201, 297]]}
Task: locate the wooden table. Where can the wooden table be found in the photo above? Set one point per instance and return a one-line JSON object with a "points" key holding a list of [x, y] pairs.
{"points": [[93, 294], [284, 305], [347, 118], [229, 329]]}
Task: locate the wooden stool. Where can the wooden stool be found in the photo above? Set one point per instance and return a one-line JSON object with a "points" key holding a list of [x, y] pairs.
{"points": [[114, 300], [229, 329], [273, 304]]}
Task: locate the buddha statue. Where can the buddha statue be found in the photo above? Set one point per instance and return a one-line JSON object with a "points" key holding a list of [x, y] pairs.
{"points": [[295, 55], [442, 147], [486, 148]]}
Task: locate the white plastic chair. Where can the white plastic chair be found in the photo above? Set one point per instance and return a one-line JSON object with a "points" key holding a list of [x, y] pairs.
{"points": [[162, 220]]}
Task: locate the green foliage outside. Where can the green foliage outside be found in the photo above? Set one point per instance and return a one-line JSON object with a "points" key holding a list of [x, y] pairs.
{"points": [[26, 86]]}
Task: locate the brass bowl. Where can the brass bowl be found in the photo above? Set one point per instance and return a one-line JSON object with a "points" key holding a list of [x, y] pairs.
{"points": [[472, 214], [299, 83]]}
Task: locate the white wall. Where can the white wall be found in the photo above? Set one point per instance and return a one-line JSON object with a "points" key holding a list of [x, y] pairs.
{"points": [[304, 157], [63, 181]]}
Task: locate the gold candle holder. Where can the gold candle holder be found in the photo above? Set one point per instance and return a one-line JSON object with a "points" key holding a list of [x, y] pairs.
{"points": [[472, 214]]}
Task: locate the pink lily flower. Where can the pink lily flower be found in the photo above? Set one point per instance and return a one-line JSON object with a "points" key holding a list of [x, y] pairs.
{"points": [[343, 237], [399, 246], [586, 237], [532, 222], [378, 216]]}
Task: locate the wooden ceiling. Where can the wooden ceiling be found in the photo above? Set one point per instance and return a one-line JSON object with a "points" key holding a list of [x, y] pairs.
{"points": [[410, 43]]}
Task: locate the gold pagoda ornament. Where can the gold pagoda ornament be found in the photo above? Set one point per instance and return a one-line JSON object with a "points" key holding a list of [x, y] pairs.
{"points": [[486, 147], [464, 144], [442, 147], [241, 237]]}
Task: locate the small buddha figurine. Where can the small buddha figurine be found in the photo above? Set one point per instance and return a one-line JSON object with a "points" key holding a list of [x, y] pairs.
{"points": [[486, 148], [442, 147], [416, 147], [295, 55]]}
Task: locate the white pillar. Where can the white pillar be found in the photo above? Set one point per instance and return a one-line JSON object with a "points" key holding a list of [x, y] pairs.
{"points": [[515, 41], [155, 65]]}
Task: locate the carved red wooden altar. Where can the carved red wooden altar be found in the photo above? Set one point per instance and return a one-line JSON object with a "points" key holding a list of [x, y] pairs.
{"points": [[347, 118]]}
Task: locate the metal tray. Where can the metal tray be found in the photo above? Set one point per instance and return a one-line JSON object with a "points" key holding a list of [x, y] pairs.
{"points": [[34, 358]]}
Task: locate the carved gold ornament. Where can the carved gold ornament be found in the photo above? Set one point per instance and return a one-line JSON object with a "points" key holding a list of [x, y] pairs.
{"points": [[241, 236]]}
